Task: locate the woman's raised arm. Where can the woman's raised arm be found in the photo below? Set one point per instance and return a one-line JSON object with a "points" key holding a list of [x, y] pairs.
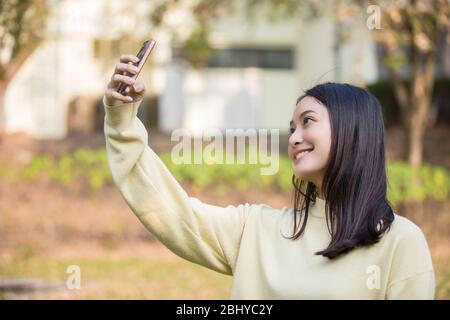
{"points": [[204, 234]]}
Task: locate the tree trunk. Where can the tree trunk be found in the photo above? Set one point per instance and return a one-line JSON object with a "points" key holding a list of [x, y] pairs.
{"points": [[415, 134], [420, 104], [415, 103]]}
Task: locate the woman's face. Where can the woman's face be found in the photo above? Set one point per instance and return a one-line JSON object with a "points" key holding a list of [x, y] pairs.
{"points": [[310, 131]]}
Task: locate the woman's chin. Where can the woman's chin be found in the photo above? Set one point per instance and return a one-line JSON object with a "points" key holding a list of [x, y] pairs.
{"points": [[301, 176], [304, 175]]}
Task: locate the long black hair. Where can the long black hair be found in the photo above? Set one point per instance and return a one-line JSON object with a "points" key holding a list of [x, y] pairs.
{"points": [[354, 184]]}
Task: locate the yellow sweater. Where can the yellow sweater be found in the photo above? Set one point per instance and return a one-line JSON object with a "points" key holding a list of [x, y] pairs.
{"points": [[247, 241]]}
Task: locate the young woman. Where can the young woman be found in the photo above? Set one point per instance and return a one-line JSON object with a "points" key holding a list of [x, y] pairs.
{"points": [[340, 241]]}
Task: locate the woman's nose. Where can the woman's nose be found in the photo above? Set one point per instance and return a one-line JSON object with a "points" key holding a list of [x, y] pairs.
{"points": [[295, 138]]}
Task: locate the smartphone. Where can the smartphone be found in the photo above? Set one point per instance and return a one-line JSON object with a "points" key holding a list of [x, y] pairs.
{"points": [[143, 54]]}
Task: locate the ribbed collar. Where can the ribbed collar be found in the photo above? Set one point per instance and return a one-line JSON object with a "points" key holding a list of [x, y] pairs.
{"points": [[317, 209]]}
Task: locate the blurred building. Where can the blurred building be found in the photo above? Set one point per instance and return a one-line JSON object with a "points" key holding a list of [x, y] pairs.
{"points": [[253, 79]]}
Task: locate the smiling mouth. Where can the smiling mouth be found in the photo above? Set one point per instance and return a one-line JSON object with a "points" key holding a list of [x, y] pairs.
{"points": [[300, 155]]}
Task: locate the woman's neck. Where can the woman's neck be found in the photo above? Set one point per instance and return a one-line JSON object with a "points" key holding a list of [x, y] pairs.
{"points": [[319, 193]]}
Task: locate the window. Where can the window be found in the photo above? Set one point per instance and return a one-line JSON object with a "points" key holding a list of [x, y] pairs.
{"points": [[252, 57]]}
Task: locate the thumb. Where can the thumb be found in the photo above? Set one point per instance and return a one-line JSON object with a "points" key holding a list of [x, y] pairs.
{"points": [[137, 91], [138, 87]]}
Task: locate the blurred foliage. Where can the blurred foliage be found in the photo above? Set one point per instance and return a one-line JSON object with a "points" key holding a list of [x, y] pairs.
{"points": [[197, 48], [88, 169], [433, 182], [22, 28], [194, 37], [79, 169], [222, 175]]}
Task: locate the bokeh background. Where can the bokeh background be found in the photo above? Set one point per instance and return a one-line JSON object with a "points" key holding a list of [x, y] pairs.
{"points": [[222, 64]]}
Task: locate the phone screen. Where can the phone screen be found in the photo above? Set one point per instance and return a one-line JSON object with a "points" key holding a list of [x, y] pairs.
{"points": [[143, 54]]}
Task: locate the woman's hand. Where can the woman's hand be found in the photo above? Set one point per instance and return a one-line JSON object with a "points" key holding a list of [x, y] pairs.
{"points": [[134, 92]]}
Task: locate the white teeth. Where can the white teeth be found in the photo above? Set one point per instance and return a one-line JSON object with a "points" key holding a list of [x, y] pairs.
{"points": [[301, 154]]}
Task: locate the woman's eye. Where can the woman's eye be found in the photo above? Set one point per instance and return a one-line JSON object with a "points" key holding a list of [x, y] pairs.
{"points": [[291, 130], [305, 120]]}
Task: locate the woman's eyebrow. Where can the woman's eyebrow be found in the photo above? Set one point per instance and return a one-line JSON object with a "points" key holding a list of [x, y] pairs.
{"points": [[301, 115]]}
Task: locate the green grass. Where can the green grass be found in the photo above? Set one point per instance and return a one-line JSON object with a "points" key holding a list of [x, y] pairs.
{"points": [[125, 278]]}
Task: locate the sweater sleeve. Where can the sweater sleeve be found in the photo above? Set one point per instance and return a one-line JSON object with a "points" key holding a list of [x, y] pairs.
{"points": [[412, 274], [201, 233], [418, 287]]}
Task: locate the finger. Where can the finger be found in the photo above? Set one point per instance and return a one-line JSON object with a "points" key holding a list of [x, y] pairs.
{"points": [[126, 58], [114, 95], [125, 68], [116, 79]]}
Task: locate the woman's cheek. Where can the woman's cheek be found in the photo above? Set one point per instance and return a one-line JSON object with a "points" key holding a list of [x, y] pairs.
{"points": [[312, 137], [319, 155]]}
